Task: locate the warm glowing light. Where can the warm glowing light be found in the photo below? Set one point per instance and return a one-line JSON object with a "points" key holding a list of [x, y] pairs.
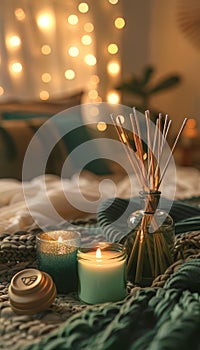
{"points": [[20, 14], [44, 95], [89, 27], [190, 130], [73, 51], [123, 137], [60, 239], [191, 123], [46, 49], [113, 97], [113, 68], [45, 21], [83, 7], [119, 22], [46, 77], [101, 126], [86, 39], [113, 2], [16, 67], [1, 90], [94, 79], [98, 253], [72, 19], [69, 74], [145, 156], [112, 49], [93, 94], [14, 41], [120, 119], [90, 60]]}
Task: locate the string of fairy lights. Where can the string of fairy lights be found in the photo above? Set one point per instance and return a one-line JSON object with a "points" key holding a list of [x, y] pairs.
{"points": [[78, 62]]}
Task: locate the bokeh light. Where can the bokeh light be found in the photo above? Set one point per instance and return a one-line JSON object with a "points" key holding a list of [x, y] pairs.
{"points": [[73, 20], [90, 60], [101, 126], [113, 68], [45, 21], [93, 94], [20, 14], [113, 2], [46, 49], [120, 22], [14, 41], [113, 97], [73, 51], [46, 77], [112, 49], [83, 7], [1, 90], [86, 39], [89, 27], [16, 67], [69, 74], [44, 95]]}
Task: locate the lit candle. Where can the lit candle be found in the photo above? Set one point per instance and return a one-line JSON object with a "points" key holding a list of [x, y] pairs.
{"points": [[102, 273], [57, 255]]}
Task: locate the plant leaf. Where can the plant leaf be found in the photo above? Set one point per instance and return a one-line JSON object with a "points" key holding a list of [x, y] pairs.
{"points": [[148, 72], [165, 84], [133, 86]]}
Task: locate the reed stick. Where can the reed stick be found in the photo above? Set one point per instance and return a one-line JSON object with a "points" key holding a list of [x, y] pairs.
{"points": [[152, 265], [151, 164], [133, 251], [140, 258], [138, 139], [137, 145], [172, 150], [150, 179], [130, 153]]}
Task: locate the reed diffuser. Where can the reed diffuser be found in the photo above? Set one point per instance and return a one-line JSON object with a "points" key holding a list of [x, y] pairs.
{"points": [[150, 242]]}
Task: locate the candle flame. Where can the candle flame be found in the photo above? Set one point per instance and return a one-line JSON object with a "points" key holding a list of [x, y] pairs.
{"points": [[98, 253], [60, 239]]}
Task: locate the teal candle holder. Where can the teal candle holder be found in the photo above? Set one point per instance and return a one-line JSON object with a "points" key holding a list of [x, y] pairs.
{"points": [[102, 273], [57, 255]]}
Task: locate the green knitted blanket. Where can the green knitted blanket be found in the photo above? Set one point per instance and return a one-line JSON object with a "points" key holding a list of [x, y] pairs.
{"points": [[153, 318]]}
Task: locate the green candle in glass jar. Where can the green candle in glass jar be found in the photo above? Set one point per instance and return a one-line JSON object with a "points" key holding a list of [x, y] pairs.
{"points": [[57, 255], [102, 273]]}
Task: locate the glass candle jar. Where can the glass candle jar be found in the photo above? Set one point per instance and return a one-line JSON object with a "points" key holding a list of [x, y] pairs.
{"points": [[102, 273], [57, 255]]}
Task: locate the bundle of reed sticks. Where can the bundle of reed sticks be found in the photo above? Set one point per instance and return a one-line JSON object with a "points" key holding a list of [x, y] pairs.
{"points": [[148, 174], [154, 249]]}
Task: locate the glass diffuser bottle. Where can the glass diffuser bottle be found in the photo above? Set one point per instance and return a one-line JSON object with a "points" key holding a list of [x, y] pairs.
{"points": [[150, 244]]}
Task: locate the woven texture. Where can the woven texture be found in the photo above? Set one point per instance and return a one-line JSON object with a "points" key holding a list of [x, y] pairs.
{"points": [[163, 316]]}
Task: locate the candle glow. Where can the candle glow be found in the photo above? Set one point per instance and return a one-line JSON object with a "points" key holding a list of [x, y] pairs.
{"points": [[56, 252], [98, 253], [102, 273]]}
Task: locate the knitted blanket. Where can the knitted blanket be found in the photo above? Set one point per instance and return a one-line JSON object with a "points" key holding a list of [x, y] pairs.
{"points": [[152, 318], [163, 316]]}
